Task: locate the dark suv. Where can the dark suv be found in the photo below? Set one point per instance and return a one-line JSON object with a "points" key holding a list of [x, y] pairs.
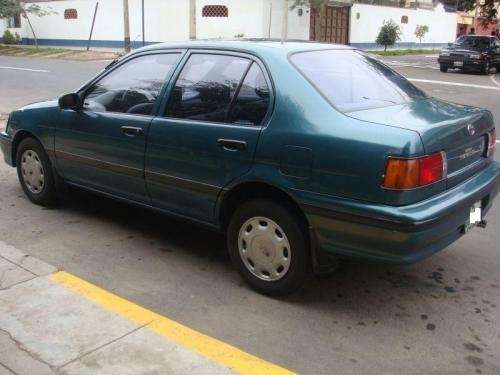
{"points": [[471, 52]]}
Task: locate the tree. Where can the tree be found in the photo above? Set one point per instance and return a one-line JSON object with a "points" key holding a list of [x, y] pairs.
{"points": [[389, 34], [420, 31], [11, 8]]}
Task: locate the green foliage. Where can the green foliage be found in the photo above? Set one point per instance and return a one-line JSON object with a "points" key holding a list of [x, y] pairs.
{"points": [[10, 8], [389, 34], [9, 38], [420, 31]]}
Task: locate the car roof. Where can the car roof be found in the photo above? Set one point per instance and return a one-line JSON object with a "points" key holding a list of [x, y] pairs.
{"points": [[247, 45]]}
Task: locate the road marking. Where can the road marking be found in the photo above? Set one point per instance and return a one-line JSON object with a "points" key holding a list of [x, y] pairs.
{"points": [[218, 351], [495, 81], [455, 84], [25, 69]]}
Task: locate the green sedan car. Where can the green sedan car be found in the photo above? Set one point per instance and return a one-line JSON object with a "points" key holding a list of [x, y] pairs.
{"points": [[301, 153]]}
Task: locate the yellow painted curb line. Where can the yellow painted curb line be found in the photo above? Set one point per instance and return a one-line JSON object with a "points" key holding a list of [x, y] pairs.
{"points": [[218, 351]]}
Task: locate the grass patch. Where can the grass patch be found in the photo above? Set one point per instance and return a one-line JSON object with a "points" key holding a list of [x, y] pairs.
{"points": [[30, 50], [402, 52]]}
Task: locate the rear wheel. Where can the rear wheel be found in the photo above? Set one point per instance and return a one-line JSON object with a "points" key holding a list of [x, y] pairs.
{"points": [[443, 68], [269, 247], [498, 68], [35, 173]]}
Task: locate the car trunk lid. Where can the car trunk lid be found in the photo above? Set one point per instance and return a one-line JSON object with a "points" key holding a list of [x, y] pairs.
{"points": [[460, 131]]}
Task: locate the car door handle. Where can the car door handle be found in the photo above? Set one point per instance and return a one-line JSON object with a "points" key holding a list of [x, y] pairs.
{"points": [[232, 144], [132, 131]]}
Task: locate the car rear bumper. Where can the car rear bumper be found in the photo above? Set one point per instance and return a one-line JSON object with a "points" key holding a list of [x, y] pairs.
{"points": [[6, 147], [394, 234], [467, 63]]}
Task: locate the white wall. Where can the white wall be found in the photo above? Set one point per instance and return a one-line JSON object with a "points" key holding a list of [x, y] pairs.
{"points": [[165, 20], [298, 26], [245, 17], [3, 26], [442, 25]]}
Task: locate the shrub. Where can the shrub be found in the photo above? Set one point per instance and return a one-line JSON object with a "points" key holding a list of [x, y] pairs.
{"points": [[389, 33], [9, 38], [420, 31]]}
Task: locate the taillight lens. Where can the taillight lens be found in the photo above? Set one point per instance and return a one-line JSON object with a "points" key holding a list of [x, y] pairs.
{"points": [[492, 141], [404, 174]]}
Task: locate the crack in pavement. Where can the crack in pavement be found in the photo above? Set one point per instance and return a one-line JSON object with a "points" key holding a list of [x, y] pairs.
{"points": [[61, 367], [22, 348]]}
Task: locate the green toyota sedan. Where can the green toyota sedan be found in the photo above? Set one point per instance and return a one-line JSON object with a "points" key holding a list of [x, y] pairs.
{"points": [[301, 153]]}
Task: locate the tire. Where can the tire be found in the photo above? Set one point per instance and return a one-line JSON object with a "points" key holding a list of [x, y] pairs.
{"points": [[486, 68], [498, 68], [285, 237], [35, 173], [443, 68]]}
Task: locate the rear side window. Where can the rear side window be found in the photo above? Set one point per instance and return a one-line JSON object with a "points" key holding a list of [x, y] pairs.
{"points": [[206, 87], [252, 102], [351, 80], [132, 87]]}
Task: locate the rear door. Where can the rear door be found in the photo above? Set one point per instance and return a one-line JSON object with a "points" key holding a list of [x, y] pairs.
{"points": [[208, 131]]}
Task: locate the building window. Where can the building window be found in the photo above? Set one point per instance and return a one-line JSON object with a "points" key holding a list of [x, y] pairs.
{"points": [[70, 14], [404, 19], [14, 22], [215, 11]]}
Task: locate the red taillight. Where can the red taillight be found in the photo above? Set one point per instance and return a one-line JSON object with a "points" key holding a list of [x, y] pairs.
{"points": [[492, 141], [404, 174]]}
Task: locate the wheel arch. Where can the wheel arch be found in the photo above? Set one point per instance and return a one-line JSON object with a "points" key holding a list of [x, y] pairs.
{"points": [[248, 190], [18, 138]]}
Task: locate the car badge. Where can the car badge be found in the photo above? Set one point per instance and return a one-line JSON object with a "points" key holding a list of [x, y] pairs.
{"points": [[471, 129]]}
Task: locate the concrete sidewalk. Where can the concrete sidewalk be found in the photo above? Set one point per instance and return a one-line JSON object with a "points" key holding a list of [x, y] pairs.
{"points": [[53, 322]]}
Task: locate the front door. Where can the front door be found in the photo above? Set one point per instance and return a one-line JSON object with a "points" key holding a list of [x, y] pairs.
{"points": [[102, 145], [208, 133], [330, 24]]}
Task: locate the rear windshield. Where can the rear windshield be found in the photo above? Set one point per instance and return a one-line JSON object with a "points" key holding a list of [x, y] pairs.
{"points": [[352, 81]]}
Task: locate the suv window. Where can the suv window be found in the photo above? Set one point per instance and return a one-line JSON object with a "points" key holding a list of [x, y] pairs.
{"points": [[206, 87], [252, 103], [133, 87]]}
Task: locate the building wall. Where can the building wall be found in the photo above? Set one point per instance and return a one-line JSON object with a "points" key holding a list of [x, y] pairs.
{"points": [[169, 21], [166, 21], [366, 20]]}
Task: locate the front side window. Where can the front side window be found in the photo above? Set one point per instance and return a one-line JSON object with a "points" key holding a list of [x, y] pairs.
{"points": [[252, 103], [133, 87], [351, 80], [206, 87]]}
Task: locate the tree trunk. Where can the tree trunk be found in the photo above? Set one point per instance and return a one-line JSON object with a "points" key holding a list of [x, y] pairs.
{"points": [[31, 28], [385, 48]]}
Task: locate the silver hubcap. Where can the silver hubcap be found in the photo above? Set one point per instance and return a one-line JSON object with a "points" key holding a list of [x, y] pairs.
{"points": [[32, 171], [264, 248]]}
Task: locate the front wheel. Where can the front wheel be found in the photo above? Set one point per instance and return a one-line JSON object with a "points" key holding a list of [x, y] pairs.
{"points": [[35, 173], [486, 68], [443, 68], [269, 247]]}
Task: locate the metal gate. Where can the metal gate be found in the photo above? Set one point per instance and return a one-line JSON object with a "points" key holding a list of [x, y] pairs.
{"points": [[330, 24]]}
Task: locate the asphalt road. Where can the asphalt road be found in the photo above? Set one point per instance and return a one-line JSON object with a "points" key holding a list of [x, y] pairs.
{"points": [[441, 315]]}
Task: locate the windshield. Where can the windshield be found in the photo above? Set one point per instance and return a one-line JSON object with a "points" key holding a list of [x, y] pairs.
{"points": [[351, 80], [478, 42]]}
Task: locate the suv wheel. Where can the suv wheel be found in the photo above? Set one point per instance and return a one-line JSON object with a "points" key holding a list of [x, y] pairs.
{"points": [[443, 68], [269, 247], [35, 173], [487, 68]]}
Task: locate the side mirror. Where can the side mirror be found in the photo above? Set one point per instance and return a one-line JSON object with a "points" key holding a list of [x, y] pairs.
{"points": [[70, 101], [450, 44]]}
